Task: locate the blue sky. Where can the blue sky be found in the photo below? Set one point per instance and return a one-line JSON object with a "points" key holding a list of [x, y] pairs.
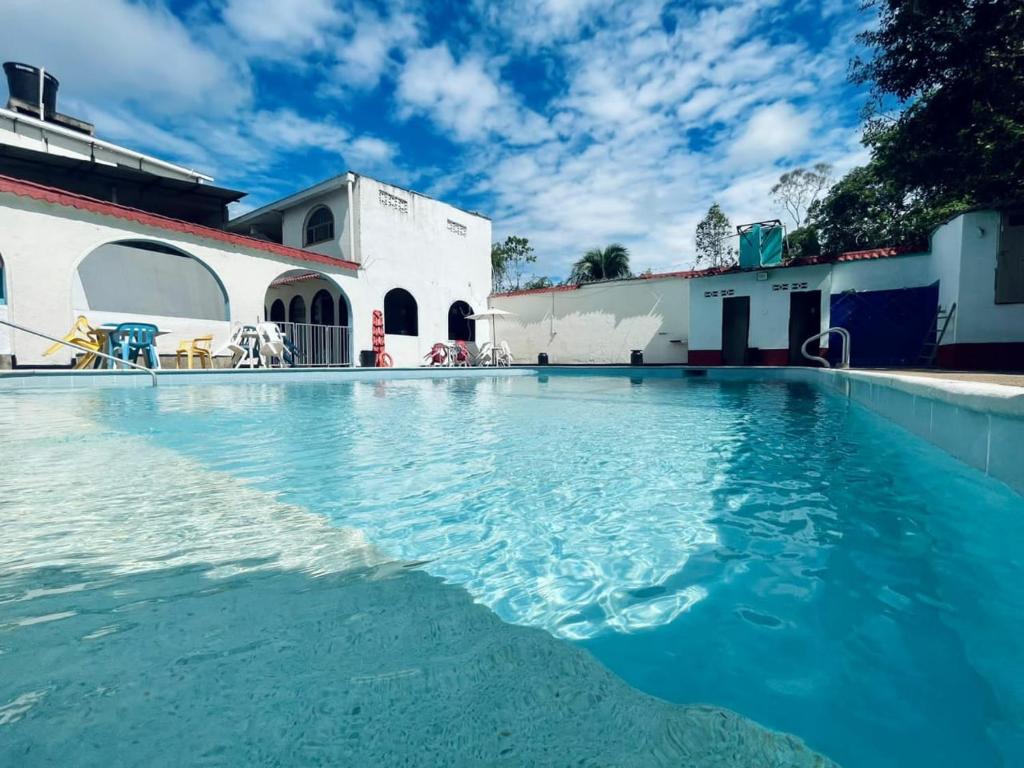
{"points": [[574, 123]]}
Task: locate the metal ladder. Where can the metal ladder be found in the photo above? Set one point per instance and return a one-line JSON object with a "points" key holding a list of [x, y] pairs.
{"points": [[844, 359], [104, 355], [930, 348]]}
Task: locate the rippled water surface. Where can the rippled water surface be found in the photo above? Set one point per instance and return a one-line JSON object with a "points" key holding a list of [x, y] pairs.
{"points": [[765, 547]]}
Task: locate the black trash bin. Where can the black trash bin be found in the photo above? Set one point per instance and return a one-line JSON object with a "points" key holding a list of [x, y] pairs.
{"points": [[368, 358], [542, 358], [636, 357]]}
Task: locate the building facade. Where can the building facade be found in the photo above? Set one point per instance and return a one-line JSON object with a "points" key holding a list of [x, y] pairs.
{"points": [[966, 292], [90, 228]]}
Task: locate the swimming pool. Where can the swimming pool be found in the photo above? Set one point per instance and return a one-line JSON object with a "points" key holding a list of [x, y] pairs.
{"points": [[287, 570]]}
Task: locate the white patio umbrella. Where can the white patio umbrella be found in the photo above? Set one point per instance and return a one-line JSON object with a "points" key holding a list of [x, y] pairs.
{"points": [[491, 314]]}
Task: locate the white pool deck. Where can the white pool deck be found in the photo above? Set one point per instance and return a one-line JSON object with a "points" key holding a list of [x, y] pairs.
{"points": [[978, 418]]}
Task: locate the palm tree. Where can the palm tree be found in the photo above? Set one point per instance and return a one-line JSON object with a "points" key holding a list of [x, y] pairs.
{"points": [[609, 264]]}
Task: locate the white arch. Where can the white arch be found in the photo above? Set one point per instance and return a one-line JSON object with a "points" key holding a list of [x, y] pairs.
{"points": [[337, 291], [162, 245]]}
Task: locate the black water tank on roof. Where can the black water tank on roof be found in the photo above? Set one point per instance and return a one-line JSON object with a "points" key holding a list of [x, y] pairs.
{"points": [[23, 84]]}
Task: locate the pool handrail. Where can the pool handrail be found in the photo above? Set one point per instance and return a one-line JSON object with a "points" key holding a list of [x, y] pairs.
{"points": [[42, 335], [844, 359]]}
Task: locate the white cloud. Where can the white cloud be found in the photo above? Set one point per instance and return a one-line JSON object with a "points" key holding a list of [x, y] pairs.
{"points": [[774, 131], [650, 111], [286, 130], [463, 98], [369, 149], [275, 27], [123, 53], [366, 54]]}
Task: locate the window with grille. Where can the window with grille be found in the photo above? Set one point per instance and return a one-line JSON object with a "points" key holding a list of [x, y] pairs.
{"points": [[319, 226]]}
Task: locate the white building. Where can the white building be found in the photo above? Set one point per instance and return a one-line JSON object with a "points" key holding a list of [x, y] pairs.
{"points": [[967, 291], [425, 263], [91, 228], [894, 305]]}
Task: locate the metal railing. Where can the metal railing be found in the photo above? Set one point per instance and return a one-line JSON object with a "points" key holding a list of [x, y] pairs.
{"points": [[844, 359], [104, 355], [318, 346]]}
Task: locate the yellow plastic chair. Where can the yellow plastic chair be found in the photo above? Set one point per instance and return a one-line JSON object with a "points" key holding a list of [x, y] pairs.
{"points": [[83, 335], [199, 347]]}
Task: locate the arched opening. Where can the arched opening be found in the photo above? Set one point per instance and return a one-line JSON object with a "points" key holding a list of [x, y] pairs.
{"points": [[321, 311], [459, 328], [343, 311], [319, 226], [140, 279], [277, 314], [401, 316], [316, 324]]}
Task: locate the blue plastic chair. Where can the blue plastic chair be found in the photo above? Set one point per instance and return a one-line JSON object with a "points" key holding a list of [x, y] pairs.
{"points": [[129, 340]]}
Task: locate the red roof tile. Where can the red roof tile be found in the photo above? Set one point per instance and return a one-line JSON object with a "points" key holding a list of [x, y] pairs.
{"points": [[81, 202], [873, 253]]}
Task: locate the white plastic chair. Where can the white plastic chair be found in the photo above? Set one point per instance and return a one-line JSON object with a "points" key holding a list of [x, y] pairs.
{"points": [[237, 345], [486, 355], [271, 344], [505, 355]]}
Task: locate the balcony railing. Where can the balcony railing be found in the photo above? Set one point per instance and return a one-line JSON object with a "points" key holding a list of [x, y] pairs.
{"points": [[318, 346]]}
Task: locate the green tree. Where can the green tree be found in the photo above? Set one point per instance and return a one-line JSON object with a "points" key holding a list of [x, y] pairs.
{"points": [[537, 282], [509, 261], [611, 263], [802, 242], [947, 116], [713, 239], [867, 208], [797, 190]]}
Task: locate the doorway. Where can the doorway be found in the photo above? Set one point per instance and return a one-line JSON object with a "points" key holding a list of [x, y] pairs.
{"points": [[804, 322], [735, 330]]}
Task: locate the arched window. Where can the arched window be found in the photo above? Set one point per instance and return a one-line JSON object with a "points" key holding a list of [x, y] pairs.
{"points": [[277, 311], [400, 313], [321, 311], [319, 226], [3, 283], [342, 311], [297, 310], [459, 328]]}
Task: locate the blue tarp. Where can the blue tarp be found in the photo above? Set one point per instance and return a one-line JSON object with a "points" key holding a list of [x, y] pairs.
{"points": [[750, 248], [887, 328], [771, 246]]}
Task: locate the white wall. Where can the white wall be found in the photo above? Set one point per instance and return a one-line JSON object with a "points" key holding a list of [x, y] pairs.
{"points": [[978, 317], [910, 271], [415, 250], [598, 323], [293, 224], [43, 243], [769, 307]]}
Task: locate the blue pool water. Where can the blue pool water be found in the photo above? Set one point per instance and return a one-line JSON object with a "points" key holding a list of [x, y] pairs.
{"points": [[763, 547]]}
